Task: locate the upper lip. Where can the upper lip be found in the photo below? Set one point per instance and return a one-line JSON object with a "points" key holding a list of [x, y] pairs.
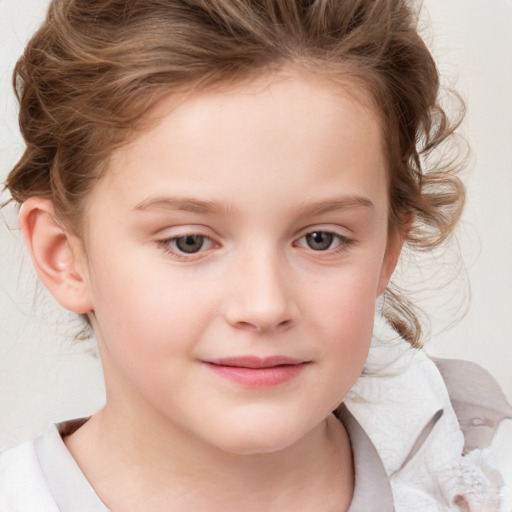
{"points": [[255, 361]]}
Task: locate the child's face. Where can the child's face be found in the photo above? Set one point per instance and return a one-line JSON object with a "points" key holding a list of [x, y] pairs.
{"points": [[248, 223]]}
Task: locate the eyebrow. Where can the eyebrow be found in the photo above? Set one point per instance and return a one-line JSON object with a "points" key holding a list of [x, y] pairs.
{"points": [[186, 204], [332, 205], [195, 205]]}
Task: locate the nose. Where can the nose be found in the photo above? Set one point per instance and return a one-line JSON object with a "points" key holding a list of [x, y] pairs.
{"points": [[260, 295]]}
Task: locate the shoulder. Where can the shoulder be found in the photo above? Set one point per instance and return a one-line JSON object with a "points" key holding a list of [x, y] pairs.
{"points": [[485, 418], [477, 399], [23, 487], [437, 425], [42, 476]]}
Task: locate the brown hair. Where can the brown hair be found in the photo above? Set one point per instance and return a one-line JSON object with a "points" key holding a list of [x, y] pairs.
{"points": [[94, 69]]}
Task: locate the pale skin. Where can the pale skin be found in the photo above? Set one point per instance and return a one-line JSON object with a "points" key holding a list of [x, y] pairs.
{"points": [[242, 178]]}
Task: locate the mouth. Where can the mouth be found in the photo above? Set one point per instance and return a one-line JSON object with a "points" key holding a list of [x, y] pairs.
{"points": [[253, 371]]}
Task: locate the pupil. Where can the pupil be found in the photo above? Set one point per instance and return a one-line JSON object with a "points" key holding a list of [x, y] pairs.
{"points": [[319, 240], [190, 243]]}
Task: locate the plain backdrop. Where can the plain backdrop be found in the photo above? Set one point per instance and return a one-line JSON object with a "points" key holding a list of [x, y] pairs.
{"points": [[45, 375]]}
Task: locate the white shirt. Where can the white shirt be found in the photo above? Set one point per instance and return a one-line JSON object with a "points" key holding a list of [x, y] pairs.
{"points": [[42, 476]]}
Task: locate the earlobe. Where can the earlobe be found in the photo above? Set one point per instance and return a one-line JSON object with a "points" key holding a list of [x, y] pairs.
{"points": [[54, 254]]}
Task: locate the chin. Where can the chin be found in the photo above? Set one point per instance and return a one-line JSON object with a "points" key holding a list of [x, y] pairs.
{"points": [[259, 439], [256, 446]]}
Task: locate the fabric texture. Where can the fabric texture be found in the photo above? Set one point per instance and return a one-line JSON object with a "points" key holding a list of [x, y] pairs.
{"points": [[403, 400], [42, 476]]}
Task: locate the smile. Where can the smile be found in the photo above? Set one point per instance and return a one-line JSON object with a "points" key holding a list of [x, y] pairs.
{"points": [[258, 372]]}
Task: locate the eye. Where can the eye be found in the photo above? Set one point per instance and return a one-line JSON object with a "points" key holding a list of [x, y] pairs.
{"points": [[319, 240], [186, 244], [190, 243], [323, 241]]}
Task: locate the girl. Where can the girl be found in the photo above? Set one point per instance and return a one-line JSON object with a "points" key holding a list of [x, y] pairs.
{"points": [[222, 190]]}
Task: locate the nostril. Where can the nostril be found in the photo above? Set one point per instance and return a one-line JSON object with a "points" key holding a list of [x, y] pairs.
{"points": [[263, 327], [247, 325]]}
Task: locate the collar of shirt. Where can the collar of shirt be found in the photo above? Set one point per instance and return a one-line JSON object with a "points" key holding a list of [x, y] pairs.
{"points": [[73, 493]]}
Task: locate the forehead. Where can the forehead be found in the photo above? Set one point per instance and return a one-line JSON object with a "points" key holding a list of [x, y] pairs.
{"points": [[295, 132]]}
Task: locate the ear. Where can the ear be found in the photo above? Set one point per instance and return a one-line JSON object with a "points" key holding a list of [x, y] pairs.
{"points": [[394, 246], [56, 254]]}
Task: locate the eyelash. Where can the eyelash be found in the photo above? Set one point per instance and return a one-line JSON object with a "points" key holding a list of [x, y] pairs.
{"points": [[343, 243], [170, 247]]}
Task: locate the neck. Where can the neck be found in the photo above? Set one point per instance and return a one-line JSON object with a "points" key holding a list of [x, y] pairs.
{"points": [[130, 459]]}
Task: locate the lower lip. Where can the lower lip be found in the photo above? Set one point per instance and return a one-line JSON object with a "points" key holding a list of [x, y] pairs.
{"points": [[258, 377]]}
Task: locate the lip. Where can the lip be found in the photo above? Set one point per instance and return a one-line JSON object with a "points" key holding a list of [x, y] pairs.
{"points": [[253, 371]]}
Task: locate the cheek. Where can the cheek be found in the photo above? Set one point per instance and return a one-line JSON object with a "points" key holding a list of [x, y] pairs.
{"points": [[148, 315], [149, 333], [342, 313], [346, 295]]}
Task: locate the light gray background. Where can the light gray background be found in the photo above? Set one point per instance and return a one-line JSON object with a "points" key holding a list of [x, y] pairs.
{"points": [[46, 376]]}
